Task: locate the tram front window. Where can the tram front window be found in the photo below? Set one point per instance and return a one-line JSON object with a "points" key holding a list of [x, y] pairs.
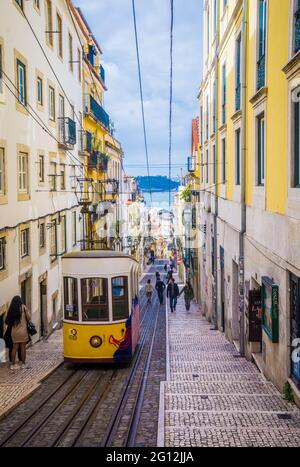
{"points": [[120, 298], [94, 299], [70, 298]]}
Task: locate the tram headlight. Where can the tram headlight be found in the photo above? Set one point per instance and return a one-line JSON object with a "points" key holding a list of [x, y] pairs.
{"points": [[95, 341]]}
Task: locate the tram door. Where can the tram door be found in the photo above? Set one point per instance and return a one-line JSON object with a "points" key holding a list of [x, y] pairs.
{"points": [[295, 327]]}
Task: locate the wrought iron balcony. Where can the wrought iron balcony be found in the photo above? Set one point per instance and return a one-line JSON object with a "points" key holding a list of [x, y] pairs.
{"points": [[238, 97], [67, 131], [98, 112], [102, 74], [261, 72], [98, 160], [85, 141], [112, 187], [297, 31]]}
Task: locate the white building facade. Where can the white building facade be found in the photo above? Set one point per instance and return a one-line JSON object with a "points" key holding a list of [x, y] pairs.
{"points": [[40, 161]]}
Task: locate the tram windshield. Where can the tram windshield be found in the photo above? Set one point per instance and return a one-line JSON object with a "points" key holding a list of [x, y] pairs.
{"points": [[120, 298], [94, 299], [70, 299]]}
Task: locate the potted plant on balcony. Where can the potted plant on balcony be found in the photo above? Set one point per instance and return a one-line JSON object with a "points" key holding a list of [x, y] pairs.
{"points": [[103, 160]]}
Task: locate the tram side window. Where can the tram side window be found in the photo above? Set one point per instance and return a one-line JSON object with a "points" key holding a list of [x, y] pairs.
{"points": [[70, 299], [94, 299], [120, 298]]}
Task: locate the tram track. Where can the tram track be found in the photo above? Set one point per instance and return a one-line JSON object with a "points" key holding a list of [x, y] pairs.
{"points": [[67, 416], [111, 433]]}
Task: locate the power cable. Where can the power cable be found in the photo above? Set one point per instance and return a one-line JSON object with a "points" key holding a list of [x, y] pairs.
{"points": [[141, 94], [171, 98]]}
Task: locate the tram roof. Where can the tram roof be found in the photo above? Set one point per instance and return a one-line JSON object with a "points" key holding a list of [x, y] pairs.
{"points": [[98, 254]]}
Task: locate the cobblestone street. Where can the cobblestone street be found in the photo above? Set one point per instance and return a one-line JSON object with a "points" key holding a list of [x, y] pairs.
{"points": [[215, 398], [42, 358]]}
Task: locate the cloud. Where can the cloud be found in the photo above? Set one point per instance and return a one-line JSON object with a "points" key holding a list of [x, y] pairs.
{"points": [[112, 24]]}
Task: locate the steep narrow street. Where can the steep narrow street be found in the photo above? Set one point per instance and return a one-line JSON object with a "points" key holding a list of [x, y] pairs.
{"points": [[214, 397]]}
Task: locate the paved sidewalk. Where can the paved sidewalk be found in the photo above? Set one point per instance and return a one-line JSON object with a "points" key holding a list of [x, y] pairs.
{"points": [[216, 398], [42, 358]]}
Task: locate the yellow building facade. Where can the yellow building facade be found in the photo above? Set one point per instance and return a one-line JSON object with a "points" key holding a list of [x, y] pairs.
{"points": [[249, 180]]}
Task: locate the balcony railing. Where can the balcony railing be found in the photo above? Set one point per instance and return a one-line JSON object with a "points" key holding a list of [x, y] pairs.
{"points": [[261, 67], [98, 160], [238, 97], [98, 112], [297, 30], [67, 131], [102, 74]]}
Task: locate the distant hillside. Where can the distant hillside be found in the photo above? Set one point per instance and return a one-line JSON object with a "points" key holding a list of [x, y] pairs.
{"points": [[158, 183]]}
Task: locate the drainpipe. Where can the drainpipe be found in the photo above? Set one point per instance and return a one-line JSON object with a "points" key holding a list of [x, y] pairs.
{"points": [[243, 183]]}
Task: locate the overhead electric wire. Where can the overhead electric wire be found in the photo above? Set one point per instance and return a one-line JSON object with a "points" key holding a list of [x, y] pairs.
{"points": [[171, 99], [141, 94]]}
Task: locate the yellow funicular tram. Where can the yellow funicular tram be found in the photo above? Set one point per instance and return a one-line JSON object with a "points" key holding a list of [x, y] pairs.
{"points": [[101, 311]]}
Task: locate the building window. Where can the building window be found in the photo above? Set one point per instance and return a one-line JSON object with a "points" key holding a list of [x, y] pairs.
{"points": [[207, 31], [21, 82], [62, 177], [59, 35], [207, 165], [63, 232], [214, 107], [2, 172], [238, 157], [201, 125], [261, 60], [49, 24], [41, 168], [52, 176], [202, 168], [224, 160], [207, 119], [214, 165], [51, 103], [53, 240], [297, 26], [2, 253], [73, 178], [261, 150], [74, 228], [1, 68], [79, 64], [39, 84], [24, 243], [42, 235], [215, 16], [23, 172], [71, 52], [296, 152], [238, 74], [224, 94]]}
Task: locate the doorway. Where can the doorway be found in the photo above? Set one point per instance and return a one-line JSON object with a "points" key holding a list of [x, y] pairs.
{"points": [[235, 302], [295, 327], [222, 265], [26, 292], [43, 308]]}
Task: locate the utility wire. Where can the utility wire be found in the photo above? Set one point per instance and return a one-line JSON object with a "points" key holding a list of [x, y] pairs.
{"points": [[141, 94], [171, 98]]}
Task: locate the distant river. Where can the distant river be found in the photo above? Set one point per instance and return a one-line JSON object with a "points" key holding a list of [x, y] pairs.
{"points": [[159, 199]]}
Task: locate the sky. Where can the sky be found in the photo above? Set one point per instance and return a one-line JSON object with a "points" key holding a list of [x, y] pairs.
{"points": [[111, 22]]}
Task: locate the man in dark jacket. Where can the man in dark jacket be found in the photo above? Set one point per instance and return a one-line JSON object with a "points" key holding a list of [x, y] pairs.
{"points": [[172, 293], [160, 287]]}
